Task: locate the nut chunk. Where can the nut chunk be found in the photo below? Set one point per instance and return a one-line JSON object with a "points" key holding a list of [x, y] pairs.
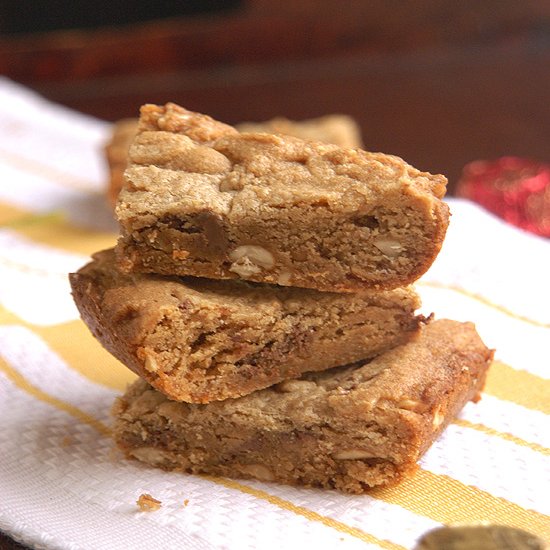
{"points": [[202, 199], [349, 428], [199, 340]]}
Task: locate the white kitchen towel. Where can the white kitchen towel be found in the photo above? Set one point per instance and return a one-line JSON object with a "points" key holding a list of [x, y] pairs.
{"points": [[63, 485]]}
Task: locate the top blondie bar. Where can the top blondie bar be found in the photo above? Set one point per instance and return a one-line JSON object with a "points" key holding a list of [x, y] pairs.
{"points": [[203, 199]]}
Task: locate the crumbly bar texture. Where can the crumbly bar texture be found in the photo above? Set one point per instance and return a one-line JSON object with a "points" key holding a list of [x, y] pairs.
{"points": [[147, 503], [203, 199], [116, 153], [338, 129], [199, 340], [348, 428]]}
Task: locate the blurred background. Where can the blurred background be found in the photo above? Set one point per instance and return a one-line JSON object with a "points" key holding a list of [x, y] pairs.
{"points": [[439, 83]]}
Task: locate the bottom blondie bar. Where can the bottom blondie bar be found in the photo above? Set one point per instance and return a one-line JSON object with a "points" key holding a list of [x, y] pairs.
{"points": [[348, 428]]}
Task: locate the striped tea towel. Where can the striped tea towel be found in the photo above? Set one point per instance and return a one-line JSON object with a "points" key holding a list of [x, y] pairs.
{"points": [[63, 486]]}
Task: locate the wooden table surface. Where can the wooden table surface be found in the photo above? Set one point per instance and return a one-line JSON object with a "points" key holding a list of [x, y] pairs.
{"points": [[439, 83]]}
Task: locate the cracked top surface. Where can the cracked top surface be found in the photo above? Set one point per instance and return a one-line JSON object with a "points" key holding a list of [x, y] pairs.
{"points": [[186, 160]]}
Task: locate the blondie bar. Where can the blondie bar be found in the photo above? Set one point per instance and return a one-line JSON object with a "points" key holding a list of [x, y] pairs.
{"points": [[200, 340], [348, 428], [116, 153], [203, 199], [340, 130]]}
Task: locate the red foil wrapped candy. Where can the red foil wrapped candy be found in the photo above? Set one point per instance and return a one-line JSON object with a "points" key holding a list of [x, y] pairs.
{"points": [[516, 189]]}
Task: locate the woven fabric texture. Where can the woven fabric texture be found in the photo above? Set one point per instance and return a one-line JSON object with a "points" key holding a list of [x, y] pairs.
{"points": [[62, 483]]}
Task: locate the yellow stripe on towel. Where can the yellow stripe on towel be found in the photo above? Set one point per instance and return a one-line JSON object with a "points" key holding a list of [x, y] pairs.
{"points": [[74, 343], [503, 435], [21, 382], [484, 301], [304, 512], [519, 387], [55, 230], [451, 502]]}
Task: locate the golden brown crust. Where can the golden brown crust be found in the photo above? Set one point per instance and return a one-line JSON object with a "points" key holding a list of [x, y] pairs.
{"points": [[200, 340], [175, 119], [348, 428], [199, 194]]}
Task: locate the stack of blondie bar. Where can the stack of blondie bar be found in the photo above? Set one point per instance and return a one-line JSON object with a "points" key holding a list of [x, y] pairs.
{"points": [[260, 289]]}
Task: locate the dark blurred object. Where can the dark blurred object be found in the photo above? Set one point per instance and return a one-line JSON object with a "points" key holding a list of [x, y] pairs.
{"points": [[480, 537], [439, 83], [29, 16], [516, 189], [7, 543]]}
